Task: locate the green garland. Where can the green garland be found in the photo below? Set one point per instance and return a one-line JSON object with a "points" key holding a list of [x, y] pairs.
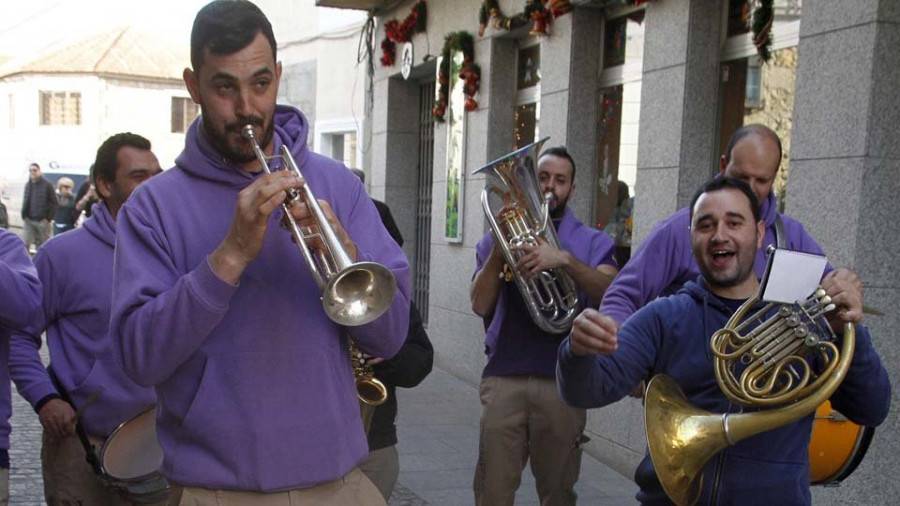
{"points": [[470, 72]]}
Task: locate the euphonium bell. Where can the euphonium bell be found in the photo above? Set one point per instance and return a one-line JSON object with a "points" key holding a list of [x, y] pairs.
{"points": [[352, 293], [519, 215], [773, 361]]}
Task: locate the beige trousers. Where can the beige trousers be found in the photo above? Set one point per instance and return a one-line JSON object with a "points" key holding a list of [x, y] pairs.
{"points": [[524, 418], [354, 489], [382, 467], [68, 479]]}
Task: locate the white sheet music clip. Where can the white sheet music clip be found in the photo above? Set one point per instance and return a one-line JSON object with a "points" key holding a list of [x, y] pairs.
{"points": [[791, 276]]}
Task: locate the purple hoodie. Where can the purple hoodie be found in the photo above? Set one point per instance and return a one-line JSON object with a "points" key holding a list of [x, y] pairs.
{"points": [[255, 386], [590, 246], [20, 302], [664, 261], [76, 270]]}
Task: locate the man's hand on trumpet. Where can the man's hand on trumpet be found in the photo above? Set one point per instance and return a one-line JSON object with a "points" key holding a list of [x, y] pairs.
{"points": [[305, 219], [248, 225]]}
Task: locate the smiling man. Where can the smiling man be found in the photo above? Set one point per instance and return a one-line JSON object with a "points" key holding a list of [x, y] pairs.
{"points": [[215, 308], [600, 362]]}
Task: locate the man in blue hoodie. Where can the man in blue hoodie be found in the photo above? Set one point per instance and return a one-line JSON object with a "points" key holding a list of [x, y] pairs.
{"points": [[600, 362], [20, 302], [76, 272], [663, 262], [214, 306]]}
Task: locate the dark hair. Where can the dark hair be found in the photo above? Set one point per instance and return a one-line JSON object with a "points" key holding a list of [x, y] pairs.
{"points": [[226, 27], [34, 164], [561, 152], [106, 163], [721, 183], [360, 174], [751, 129]]}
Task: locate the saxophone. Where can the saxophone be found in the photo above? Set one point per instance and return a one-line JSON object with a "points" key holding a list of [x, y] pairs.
{"points": [[370, 391]]}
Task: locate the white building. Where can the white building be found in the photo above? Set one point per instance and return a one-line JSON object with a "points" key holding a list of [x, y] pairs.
{"points": [[58, 107]]}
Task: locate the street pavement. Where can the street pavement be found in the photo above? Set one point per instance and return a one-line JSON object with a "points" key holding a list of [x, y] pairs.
{"points": [[437, 427]]}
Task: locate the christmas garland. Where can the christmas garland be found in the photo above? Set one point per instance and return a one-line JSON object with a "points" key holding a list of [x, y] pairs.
{"points": [[763, 16], [396, 31], [470, 72], [540, 12]]}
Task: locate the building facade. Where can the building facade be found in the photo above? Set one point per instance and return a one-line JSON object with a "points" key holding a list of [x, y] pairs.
{"points": [[648, 95], [56, 108]]}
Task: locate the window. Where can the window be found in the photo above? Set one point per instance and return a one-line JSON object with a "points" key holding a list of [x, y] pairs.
{"points": [[184, 110], [527, 114], [618, 125], [342, 147], [60, 108]]}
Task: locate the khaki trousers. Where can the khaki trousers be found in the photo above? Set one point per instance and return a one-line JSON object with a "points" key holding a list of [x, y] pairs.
{"points": [[382, 467], [36, 232], [354, 489], [524, 418], [68, 479]]}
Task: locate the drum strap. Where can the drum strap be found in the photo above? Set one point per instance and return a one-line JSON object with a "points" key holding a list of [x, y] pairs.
{"points": [[90, 453]]}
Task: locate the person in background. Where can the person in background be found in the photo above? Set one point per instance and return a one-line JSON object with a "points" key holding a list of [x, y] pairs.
{"points": [[64, 219], [38, 208], [76, 271], [85, 199], [619, 226], [214, 306], [406, 369], [523, 416], [20, 303]]}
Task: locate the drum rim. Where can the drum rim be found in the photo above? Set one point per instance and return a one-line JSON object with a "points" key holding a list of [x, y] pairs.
{"points": [[109, 438]]}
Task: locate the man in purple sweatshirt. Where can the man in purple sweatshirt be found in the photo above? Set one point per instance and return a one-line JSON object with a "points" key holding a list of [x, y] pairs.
{"points": [[214, 306], [76, 271], [523, 416], [20, 302]]}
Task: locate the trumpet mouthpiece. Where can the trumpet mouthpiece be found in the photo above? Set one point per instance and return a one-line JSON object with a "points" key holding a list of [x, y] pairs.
{"points": [[248, 133]]}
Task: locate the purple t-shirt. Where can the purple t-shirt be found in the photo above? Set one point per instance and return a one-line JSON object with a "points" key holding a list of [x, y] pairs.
{"points": [[514, 344]]}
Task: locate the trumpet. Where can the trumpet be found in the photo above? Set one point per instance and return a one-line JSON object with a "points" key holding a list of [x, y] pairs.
{"points": [[353, 294]]}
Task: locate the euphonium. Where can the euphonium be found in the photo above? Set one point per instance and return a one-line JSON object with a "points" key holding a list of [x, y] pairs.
{"points": [[352, 293], [772, 359], [519, 215]]}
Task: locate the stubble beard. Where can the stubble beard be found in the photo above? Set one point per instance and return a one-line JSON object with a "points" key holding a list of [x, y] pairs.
{"points": [[242, 152]]}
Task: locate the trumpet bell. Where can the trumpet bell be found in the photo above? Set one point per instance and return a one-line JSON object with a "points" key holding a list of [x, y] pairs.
{"points": [[359, 294]]}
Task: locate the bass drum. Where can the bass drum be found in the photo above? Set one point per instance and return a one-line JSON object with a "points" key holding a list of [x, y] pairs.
{"points": [[836, 447], [130, 460]]}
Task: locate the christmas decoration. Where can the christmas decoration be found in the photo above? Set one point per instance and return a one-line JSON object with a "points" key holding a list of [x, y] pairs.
{"points": [[763, 16], [470, 72], [396, 31], [540, 12]]}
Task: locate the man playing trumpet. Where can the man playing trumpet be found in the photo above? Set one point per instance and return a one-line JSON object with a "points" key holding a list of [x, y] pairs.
{"points": [[214, 306], [523, 417], [600, 362]]}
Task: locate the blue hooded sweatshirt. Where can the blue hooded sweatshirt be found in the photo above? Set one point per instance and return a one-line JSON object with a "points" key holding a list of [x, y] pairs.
{"points": [[671, 336], [76, 271], [20, 302], [255, 385], [664, 261]]}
